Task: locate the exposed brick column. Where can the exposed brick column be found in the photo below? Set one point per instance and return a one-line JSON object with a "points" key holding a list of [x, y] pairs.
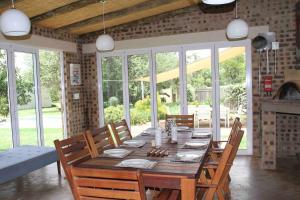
{"points": [[268, 140]]}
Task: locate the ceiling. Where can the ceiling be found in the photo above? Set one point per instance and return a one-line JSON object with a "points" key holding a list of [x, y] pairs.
{"points": [[84, 16]]}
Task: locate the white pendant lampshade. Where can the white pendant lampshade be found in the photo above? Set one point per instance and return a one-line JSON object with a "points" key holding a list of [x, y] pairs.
{"points": [[105, 43], [14, 22], [217, 2], [237, 29]]}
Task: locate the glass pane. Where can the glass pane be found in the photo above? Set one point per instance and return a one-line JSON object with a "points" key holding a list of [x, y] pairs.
{"points": [[233, 98], [112, 89], [199, 86], [24, 65], [5, 121], [51, 96], [167, 84], [139, 93]]}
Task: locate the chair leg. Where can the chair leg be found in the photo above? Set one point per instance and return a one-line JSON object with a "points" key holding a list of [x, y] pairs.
{"points": [[220, 194], [210, 194], [58, 167]]}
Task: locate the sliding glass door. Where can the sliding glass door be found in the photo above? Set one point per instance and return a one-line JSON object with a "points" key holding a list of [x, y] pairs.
{"points": [[25, 64], [211, 81], [24, 100], [6, 136], [199, 88], [139, 91], [233, 99], [167, 85]]}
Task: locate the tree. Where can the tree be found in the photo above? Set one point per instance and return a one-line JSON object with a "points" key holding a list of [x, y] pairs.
{"points": [[24, 86], [50, 73]]}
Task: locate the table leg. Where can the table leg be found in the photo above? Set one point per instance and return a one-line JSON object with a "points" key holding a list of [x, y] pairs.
{"points": [[188, 189]]}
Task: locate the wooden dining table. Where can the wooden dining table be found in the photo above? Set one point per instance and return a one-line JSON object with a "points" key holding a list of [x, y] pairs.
{"points": [[167, 173]]}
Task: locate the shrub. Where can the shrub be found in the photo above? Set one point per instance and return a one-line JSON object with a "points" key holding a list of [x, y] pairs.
{"points": [[113, 113], [139, 117], [190, 93], [113, 101]]}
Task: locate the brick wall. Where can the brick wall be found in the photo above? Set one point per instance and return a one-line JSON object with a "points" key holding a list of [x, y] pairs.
{"points": [[278, 14], [76, 110]]}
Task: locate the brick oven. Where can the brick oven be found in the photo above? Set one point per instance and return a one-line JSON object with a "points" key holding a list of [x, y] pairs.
{"points": [[281, 121]]}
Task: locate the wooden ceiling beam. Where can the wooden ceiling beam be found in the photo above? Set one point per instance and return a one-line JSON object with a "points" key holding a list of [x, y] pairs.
{"points": [[114, 15], [64, 9], [7, 4]]}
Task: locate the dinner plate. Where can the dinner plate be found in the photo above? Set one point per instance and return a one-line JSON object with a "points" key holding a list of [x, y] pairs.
{"points": [[134, 143], [182, 128], [137, 163], [118, 153], [188, 156], [201, 134], [196, 144]]}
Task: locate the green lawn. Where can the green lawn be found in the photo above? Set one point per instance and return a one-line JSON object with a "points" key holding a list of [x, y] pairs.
{"points": [[28, 136], [53, 111]]}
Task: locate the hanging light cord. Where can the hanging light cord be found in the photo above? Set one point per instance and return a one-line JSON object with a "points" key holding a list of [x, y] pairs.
{"points": [[103, 22], [12, 3], [236, 9]]}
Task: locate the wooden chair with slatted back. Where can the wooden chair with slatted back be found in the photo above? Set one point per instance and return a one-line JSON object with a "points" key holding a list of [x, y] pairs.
{"points": [[92, 184], [207, 188], [71, 151], [99, 140], [121, 132], [182, 120], [237, 125]]}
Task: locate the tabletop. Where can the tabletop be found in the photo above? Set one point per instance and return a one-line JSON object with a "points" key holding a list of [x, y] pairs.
{"points": [[165, 165]]}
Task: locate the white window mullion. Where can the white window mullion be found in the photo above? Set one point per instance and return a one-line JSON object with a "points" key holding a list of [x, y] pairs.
{"points": [[215, 93], [100, 90], [182, 82], [38, 99], [12, 94], [125, 89], [63, 94], [154, 115]]}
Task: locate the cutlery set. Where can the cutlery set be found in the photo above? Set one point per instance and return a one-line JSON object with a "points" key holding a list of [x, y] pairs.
{"points": [[158, 152]]}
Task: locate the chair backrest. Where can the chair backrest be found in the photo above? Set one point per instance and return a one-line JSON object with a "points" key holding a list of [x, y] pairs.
{"points": [[121, 131], [182, 120], [71, 151], [91, 184], [99, 140], [237, 125], [221, 169]]}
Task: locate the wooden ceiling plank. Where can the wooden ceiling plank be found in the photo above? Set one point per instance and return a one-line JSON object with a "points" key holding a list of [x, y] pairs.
{"points": [[174, 5], [64, 9], [142, 6]]}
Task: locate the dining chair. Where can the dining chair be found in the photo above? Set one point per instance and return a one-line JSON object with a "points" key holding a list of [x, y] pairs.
{"points": [[208, 187], [224, 185], [121, 131], [71, 151], [91, 184], [99, 140], [236, 126], [182, 120]]}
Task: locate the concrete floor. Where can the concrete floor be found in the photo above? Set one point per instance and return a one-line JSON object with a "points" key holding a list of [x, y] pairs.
{"points": [[248, 182]]}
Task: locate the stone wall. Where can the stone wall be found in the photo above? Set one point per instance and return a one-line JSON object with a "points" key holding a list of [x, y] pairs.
{"points": [[278, 14]]}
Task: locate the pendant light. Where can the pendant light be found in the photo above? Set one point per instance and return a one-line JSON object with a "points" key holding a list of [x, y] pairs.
{"points": [[237, 28], [104, 42], [14, 22], [217, 2]]}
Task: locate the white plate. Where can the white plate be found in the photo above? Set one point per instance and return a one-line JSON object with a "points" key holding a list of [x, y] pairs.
{"points": [[152, 130], [188, 156], [195, 144], [182, 128], [134, 143], [137, 163], [116, 152]]}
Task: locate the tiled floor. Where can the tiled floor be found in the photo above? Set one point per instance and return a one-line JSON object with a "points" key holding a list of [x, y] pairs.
{"points": [[248, 182]]}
